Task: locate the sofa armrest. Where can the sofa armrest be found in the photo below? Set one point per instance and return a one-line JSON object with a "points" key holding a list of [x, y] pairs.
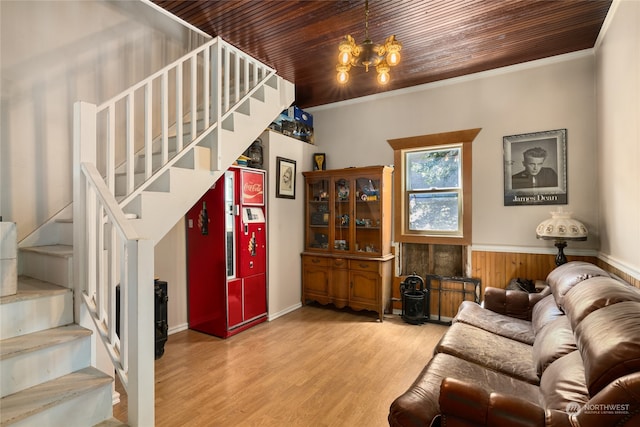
{"points": [[466, 404], [517, 304]]}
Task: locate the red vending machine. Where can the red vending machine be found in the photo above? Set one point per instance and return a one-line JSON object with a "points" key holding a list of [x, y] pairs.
{"points": [[226, 255]]}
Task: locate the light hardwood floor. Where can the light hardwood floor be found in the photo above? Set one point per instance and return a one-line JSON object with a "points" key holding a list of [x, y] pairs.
{"points": [[317, 366]]}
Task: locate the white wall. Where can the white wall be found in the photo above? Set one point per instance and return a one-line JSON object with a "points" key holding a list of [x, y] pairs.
{"points": [[286, 224], [537, 96], [55, 53], [171, 267], [618, 92]]}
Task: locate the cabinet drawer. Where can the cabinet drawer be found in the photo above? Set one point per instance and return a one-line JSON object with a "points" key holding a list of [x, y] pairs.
{"points": [[363, 265], [340, 263], [315, 261]]}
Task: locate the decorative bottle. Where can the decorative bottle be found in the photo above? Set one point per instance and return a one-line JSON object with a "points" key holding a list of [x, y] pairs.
{"points": [[205, 219]]}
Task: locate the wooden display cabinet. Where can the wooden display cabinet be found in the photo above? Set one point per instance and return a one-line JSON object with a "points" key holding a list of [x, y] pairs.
{"points": [[347, 259]]}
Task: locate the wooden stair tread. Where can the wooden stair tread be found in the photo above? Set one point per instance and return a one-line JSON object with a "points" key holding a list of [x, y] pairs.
{"points": [[111, 422], [31, 288], [62, 251], [28, 402], [16, 346]]}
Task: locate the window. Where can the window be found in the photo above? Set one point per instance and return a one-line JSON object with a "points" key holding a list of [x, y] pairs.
{"points": [[432, 188]]}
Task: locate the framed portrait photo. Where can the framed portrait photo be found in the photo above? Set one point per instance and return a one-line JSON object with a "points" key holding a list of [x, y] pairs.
{"points": [[285, 178], [535, 168]]}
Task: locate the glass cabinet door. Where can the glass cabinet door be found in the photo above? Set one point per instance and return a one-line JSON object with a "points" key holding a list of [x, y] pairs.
{"points": [[230, 223], [318, 214], [342, 218], [368, 215]]}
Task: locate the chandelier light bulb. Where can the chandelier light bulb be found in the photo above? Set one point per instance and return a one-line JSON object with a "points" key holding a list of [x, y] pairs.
{"points": [[346, 48], [383, 73], [392, 48], [343, 73], [393, 58], [343, 77], [344, 58]]}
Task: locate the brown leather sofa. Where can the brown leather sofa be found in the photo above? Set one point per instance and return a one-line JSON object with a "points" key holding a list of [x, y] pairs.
{"points": [[569, 356]]}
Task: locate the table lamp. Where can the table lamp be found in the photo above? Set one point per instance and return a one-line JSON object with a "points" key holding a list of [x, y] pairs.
{"points": [[561, 228]]}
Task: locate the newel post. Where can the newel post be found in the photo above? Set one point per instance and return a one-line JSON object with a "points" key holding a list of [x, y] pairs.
{"points": [[84, 151], [141, 338]]}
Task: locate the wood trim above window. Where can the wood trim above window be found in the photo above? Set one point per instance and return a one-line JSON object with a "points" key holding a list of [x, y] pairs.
{"points": [[465, 137]]}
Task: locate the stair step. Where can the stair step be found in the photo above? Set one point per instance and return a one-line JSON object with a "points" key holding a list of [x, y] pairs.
{"points": [[30, 288], [45, 355], [111, 422], [54, 304], [62, 251], [52, 263], [161, 183], [65, 231], [159, 212], [23, 344], [8, 258], [76, 399]]}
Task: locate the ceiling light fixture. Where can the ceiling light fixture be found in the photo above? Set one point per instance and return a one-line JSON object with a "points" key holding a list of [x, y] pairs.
{"points": [[367, 54]]}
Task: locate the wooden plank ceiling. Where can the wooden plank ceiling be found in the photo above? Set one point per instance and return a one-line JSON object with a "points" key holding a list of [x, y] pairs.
{"points": [[441, 38]]}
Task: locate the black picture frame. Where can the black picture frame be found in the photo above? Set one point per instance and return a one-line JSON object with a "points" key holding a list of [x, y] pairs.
{"points": [[544, 180], [319, 161], [285, 178]]}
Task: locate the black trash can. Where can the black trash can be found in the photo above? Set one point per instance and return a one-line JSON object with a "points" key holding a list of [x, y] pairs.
{"points": [[160, 315], [415, 300]]}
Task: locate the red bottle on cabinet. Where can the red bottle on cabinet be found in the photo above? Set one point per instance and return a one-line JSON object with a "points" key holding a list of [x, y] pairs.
{"points": [[226, 268]]}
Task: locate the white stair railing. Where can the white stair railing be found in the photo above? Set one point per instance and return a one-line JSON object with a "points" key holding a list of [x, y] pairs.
{"points": [[186, 100], [189, 99], [108, 252]]}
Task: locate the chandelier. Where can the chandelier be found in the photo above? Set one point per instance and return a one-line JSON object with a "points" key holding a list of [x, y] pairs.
{"points": [[367, 54]]}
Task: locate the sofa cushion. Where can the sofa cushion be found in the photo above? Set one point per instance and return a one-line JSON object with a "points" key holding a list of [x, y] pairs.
{"points": [[563, 382], [544, 312], [490, 350], [514, 303], [609, 341], [596, 293], [566, 276], [554, 341], [419, 404], [500, 324]]}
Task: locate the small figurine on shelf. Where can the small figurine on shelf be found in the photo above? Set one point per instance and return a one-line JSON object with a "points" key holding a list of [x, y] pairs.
{"points": [[342, 188], [369, 190]]}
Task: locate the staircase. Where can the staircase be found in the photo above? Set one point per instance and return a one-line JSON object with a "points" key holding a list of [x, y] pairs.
{"points": [[137, 170], [45, 359]]}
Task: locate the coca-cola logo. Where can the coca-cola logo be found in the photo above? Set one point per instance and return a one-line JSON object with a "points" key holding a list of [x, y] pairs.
{"points": [[252, 188]]}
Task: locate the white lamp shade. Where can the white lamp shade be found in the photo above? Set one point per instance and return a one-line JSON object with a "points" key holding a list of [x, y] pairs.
{"points": [[561, 227]]}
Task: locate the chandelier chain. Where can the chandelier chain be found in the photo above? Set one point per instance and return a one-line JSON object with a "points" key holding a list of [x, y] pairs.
{"points": [[366, 19]]}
